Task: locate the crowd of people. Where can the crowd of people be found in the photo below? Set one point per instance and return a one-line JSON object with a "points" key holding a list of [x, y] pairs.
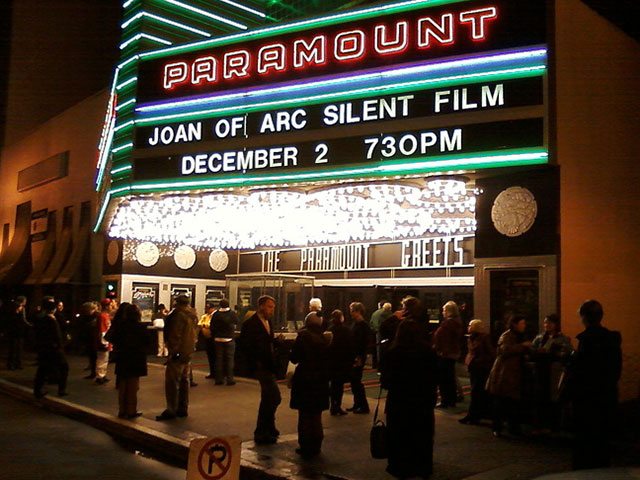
{"points": [[415, 363]]}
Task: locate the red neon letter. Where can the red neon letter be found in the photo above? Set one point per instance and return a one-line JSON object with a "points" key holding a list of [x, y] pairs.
{"points": [[236, 64], [349, 45], [175, 73], [306, 53], [384, 46], [204, 68], [477, 18], [442, 32], [271, 56]]}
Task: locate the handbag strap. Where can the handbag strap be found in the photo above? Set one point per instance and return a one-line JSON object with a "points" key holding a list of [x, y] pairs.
{"points": [[375, 415]]}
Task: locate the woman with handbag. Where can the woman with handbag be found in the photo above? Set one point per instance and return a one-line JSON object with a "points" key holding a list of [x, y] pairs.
{"points": [[409, 373]]}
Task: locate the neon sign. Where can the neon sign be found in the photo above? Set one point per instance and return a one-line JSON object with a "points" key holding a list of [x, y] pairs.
{"points": [[346, 45], [354, 43]]}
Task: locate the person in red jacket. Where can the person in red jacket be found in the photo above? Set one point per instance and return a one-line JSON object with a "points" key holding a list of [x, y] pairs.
{"points": [[102, 346]]}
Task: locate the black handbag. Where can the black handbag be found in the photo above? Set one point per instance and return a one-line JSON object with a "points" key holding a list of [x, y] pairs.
{"points": [[378, 437]]}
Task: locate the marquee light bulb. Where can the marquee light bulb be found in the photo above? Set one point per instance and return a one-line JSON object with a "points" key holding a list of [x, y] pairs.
{"points": [[365, 212]]}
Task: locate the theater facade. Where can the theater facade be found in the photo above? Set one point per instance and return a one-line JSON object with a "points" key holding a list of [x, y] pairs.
{"points": [[424, 147]]}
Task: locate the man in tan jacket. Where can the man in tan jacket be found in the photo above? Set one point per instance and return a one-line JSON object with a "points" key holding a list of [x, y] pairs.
{"points": [[180, 338]]}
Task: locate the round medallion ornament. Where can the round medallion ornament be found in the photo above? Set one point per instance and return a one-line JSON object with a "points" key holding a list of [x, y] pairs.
{"points": [[514, 211], [184, 257], [218, 260], [147, 254], [113, 252]]}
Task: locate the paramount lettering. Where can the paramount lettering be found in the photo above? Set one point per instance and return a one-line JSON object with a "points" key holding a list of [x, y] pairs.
{"points": [[352, 44]]}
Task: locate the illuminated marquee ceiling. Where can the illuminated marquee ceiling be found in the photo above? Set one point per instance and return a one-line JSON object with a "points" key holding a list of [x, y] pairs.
{"points": [[279, 218]]}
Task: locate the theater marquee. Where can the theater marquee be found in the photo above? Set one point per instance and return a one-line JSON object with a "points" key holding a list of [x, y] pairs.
{"points": [[404, 88]]}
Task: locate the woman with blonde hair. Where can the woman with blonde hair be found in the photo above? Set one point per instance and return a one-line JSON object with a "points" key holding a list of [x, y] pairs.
{"points": [[479, 360]]}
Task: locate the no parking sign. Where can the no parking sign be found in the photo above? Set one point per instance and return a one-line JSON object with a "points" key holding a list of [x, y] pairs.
{"points": [[216, 458]]}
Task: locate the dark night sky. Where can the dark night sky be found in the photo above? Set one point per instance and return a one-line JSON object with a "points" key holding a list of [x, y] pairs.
{"points": [[61, 52]]}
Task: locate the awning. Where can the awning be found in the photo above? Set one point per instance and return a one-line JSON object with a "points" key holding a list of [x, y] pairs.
{"points": [[15, 263], [70, 271], [47, 252], [62, 251]]}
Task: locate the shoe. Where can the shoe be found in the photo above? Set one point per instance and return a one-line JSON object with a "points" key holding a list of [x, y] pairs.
{"points": [[443, 405], [40, 394], [122, 415], [135, 415], [219, 383], [193, 384], [361, 411], [209, 377], [275, 432], [307, 453], [63, 393], [338, 413], [231, 383], [89, 377], [265, 439], [469, 421], [165, 416], [351, 409], [182, 414]]}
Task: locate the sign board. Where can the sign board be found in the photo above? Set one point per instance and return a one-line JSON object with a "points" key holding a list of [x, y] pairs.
{"points": [[216, 458], [369, 38], [413, 254], [145, 296], [39, 225], [367, 111], [362, 151], [396, 89]]}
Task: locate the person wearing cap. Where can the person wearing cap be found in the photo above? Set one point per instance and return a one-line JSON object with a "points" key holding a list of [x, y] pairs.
{"points": [[50, 349], [180, 336], [479, 360], [102, 346]]}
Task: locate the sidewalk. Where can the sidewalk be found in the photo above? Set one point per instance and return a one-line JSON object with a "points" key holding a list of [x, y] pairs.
{"points": [[461, 452]]}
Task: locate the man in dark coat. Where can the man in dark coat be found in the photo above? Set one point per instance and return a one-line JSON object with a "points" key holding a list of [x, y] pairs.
{"points": [[310, 384], [594, 388], [17, 328], [361, 336], [50, 349], [257, 342], [180, 337]]}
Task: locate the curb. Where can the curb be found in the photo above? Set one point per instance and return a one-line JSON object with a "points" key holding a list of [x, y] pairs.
{"points": [[159, 442]]}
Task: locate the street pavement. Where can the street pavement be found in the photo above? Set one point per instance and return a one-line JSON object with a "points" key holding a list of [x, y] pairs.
{"points": [[39, 444], [460, 452]]}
